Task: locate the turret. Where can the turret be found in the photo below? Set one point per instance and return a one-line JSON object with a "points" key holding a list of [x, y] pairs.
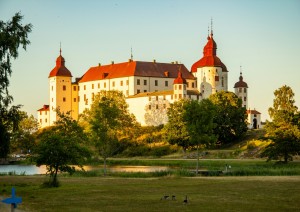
{"points": [[60, 79], [179, 87], [241, 90]]}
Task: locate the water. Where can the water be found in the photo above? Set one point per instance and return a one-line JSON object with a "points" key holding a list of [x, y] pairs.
{"points": [[32, 169]]}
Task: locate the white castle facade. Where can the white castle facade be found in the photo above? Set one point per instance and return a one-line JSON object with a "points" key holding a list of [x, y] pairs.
{"points": [[149, 87]]}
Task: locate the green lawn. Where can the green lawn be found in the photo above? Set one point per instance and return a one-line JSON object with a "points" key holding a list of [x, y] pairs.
{"points": [[272, 193]]}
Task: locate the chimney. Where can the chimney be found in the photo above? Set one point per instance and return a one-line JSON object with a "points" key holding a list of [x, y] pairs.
{"points": [[154, 61], [112, 62], [129, 60], [99, 64]]}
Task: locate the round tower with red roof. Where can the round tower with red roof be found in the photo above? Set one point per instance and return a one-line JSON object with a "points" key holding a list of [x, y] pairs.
{"points": [[211, 73], [60, 84], [241, 90], [179, 87]]}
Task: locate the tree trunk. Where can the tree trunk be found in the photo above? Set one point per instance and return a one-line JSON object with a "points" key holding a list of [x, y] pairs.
{"points": [[104, 161], [54, 182], [197, 167]]}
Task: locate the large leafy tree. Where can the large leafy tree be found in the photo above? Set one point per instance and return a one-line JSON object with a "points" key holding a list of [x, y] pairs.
{"points": [[12, 35], [24, 138], [199, 119], [284, 130], [176, 129], [108, 123], [230, 118], [61, 147]]}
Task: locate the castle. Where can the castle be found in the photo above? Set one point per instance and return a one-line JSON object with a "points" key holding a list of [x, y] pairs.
{"points": [[149, 87]]}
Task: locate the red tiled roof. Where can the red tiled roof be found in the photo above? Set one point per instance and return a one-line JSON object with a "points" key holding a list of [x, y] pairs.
{"points": [[135, 68], [241, 83], [44, 108], [253, 112], [179, 79], [209, 56], [60, 69]]}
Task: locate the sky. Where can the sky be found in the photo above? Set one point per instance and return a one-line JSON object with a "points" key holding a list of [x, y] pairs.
{"points": [[260, 36]]}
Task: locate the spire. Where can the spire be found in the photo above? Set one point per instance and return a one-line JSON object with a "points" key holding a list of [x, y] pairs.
{"points": [[208, 32], [211, 27], [131, 55], [59, 48], [241, 75]]}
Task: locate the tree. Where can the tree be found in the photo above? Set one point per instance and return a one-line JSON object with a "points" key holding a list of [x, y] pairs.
{"points": [[61, 147], [108, 123], [12, 35], [199, 122], [176, 129], [284, 130], [24, 137], [230, 118]]}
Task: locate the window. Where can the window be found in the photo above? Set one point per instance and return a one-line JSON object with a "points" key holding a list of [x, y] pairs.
{"points": [[156, 82], [86, 101], [74, 88], [74, 99], [149, 98], [222, 81], [45, 120], [175, 96], [245, 98], [121, 83], [40, 120], [245, 90], [149, 107], [98, 85], [78, 88], [145, 91], [113, 83], [180, 96], [93, 96], [138, 82], [45, 112], [156, 98], [92, 86], [52, 99], [166, 83], [188, 84], [51, 88], [84, 97], [138, 91], [165, 106], [193, 85], [64, 88], [145, 82], [156, 106], [40, 112], [127, 92], [164, 97], [180, 87], [105, 85], [64, 99], [78, 98], [127, 82], [84, 87], [240, 90], [254, 115]]}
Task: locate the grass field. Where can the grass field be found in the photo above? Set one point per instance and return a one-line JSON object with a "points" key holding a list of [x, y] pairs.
{"points": [[256, 193]]}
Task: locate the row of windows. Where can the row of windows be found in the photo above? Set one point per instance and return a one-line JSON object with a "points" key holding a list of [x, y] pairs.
{"points": [[241, 90], [156, 106], [41, 121]]}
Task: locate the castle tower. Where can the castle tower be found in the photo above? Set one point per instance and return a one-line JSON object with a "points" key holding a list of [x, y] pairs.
{"points": [[179, 87], [60, 85], [241, 90], [210, 72]]}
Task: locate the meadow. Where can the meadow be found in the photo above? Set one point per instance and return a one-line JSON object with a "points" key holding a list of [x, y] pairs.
{"points": [[255, 193]]}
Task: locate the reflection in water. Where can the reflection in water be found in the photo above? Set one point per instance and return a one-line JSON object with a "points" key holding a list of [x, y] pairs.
{"points": [[32, 170]]}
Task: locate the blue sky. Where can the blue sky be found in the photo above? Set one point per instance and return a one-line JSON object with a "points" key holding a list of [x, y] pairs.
{"points": [[262, 36]]}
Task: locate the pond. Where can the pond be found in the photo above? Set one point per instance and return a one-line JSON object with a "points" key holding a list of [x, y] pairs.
{"points": [[32, 169]]}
